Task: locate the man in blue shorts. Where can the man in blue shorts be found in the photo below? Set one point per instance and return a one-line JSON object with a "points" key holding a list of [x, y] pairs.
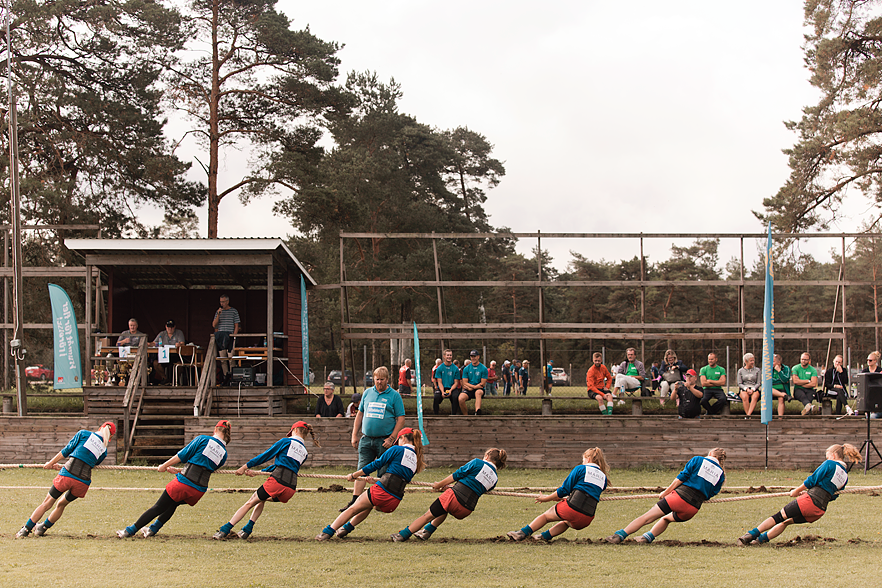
{"points": [[379, 418], [474, 378]]}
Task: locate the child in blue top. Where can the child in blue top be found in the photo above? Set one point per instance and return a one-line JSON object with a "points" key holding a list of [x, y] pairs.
{"points": [[288, 455], [203, 455], [85, 451], [812, 496], [700, 480], [577, 499], [470, 482], [402, 461]]}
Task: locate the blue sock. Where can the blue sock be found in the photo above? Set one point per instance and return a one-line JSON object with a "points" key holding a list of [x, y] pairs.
{"points": [[546, 535], [329, 530], [621, 533], [226, 528], [430, 528], [156, 526], [754, 532], [405, 532], [30, 525], [47, 523], [763, 538], [131, 530], [348, 526], [527, 530], [249, 526], [649, 537]]}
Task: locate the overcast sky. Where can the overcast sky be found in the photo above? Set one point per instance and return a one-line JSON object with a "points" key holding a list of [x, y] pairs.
{"points": [[643, 116]]}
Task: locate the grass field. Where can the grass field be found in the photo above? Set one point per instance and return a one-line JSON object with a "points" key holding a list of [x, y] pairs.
{"points": [[82, 549]]}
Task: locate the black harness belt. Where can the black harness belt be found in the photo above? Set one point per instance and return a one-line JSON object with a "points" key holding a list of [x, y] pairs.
{"points": [[582, 502]]}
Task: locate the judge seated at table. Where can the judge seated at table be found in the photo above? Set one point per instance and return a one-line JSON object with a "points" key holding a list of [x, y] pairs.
{"points": [[170, 336]]}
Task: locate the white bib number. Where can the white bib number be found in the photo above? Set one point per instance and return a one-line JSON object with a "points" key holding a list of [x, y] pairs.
{"points": [[710, 472], [839, 478], [95, 445], [596, 477], [297, 452], [214, 451], [487, 477], [409, 460], [163, 353], [375, 410]]}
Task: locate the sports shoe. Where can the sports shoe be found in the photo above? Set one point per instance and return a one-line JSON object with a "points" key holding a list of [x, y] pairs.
{"points": [[123, 534], [808, 408], [39, 530], [539, 537], [398, 538], [744, 539], [243, 534], [148, 532], [422, 535], [620, 403], [614, 538], [640, 539], [341, 532], [848, 410], [323, 536], [517, 535], [22, 533], [220, 535]]}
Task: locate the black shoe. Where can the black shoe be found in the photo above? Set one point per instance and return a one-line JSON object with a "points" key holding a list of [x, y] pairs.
{"points": [[479, 411], [351, 502]]}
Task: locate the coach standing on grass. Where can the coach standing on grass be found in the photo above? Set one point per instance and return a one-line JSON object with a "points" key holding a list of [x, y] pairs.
{"points": [[379, 418]]}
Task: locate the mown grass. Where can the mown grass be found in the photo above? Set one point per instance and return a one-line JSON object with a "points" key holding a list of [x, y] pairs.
{"points": [[82, 549]]}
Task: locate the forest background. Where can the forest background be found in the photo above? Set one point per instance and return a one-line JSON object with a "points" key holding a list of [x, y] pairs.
{"points": [[96, 84]]}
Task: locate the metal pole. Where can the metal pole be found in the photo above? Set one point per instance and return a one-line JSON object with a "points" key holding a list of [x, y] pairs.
{"points": [[342, 330], [541, 309], [844, 335], [642, 302]]}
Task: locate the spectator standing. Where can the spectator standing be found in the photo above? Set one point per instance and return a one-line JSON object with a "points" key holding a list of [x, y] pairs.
{"points": [[379, 418], [547, 380], [434, 367], [448, 383], [506, 378], [713, 378], [600, 382], [492, 377], [804, 377], [836, 383], [750, 384], [524, 376], [656, 376], [631, 373], [329, 405], [474, 379], [404, 376], [688, 396], [226, 325]]}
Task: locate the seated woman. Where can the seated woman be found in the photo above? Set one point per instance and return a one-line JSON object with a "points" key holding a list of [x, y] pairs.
{"points": [[672, 370], [836, 383], [749, 383]]}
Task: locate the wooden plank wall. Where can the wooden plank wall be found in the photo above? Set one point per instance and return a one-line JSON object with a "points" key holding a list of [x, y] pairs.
{"points": [[558, 442], [37, 439], [292, 322]]}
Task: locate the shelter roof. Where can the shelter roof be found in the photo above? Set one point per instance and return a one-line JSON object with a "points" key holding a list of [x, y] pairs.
{"points": [[191, 263]]}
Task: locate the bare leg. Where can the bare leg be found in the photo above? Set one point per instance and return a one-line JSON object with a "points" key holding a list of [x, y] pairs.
{"points": [[463, 397], [58, 510], [558, 528], [245, 508], [43, 508], [546, 517], [421, 522], [662, 524], [478, 396], [754, 397], [653, 514], [361, 505]]}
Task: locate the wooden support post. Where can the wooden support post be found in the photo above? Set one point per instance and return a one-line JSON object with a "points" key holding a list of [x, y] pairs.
{"points": [[642, 306], [636, 406], [439, 294], [844, 335], [87, 368], [342, 330], [546, 406], [741, 304]]}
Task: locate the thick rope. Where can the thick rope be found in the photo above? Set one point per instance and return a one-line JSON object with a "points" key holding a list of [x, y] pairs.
{"points": [[370, 479]]}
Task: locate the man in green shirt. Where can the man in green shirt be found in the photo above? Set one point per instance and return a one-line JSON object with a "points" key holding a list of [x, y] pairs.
{"points": [[713, 378], [805, 379]]}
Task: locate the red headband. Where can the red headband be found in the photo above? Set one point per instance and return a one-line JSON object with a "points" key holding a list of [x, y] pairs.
{"points": [[405, 431], [109, 424], [223, 424]]}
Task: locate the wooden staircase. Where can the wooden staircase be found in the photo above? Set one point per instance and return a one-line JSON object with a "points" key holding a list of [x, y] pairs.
{"points": [[157, 431]]}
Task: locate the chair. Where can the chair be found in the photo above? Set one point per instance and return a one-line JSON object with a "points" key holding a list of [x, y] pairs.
{"points": [[188, 362]]}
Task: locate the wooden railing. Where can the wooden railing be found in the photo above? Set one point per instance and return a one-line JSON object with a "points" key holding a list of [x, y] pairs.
{"points": [[207, 381], [137, 383]]}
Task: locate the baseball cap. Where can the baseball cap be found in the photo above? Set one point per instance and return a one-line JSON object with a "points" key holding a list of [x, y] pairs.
{"points": [[170, 323], [111, 425], [473, 353], [692, 372]]}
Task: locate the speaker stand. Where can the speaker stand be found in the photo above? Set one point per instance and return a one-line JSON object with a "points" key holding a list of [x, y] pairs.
{"points": [[866, 446]]}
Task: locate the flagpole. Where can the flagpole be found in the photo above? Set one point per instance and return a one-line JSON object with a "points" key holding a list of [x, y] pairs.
{"points": [[768, 341]]}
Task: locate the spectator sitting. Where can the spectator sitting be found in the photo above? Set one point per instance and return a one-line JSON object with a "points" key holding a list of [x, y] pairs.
{"points": [[448, 384], [713, 378], [329, 405], [353, 405], [631, 373], [656, 376], [169, 336], [599, 382], [132, 337], [688, 396], [780, 383], [672, 370], [804, 377], [749, 383], [474, 378], [836, 383]]}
